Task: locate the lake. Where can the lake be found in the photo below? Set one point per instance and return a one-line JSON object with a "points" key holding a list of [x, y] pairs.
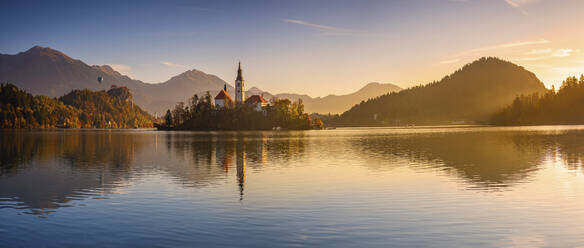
{"points": [[354, 187]]}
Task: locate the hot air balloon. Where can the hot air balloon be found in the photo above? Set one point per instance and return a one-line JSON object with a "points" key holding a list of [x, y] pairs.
{"points": [[99, 79]]}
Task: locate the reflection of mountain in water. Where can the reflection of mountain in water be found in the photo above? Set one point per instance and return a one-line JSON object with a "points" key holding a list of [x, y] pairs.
{"points": [[42, 171], [486, 159], [46, 170]]}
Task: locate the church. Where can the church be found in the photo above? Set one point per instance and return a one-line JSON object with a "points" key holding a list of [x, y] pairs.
{"points": [[223, 98]]}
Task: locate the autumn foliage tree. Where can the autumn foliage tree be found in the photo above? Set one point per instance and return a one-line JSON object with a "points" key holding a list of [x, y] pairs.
{"points": [[78, 109]]}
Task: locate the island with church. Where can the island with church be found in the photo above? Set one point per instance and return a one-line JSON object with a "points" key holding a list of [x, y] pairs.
{"points": [[222, 112]]}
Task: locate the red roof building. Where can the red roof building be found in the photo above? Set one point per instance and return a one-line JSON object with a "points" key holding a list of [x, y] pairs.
{"points": [[223, 98], [258, 101], [255, 99]]}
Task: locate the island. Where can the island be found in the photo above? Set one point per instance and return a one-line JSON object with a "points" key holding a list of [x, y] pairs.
{"points": [[224, 113]]}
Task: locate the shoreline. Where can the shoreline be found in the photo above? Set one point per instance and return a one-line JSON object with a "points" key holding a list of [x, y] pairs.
{"points": [[572, 126]]}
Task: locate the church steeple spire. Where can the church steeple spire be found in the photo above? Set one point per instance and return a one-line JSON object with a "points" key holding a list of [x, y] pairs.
{"points": [[239, 86], [239, 76]]}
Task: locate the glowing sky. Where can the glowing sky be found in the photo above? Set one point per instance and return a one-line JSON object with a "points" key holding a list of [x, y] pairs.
{"points": [[313, 47]]}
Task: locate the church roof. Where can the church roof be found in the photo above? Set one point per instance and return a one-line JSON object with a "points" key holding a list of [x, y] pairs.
{"points": [[255, 99], [223, 95]]}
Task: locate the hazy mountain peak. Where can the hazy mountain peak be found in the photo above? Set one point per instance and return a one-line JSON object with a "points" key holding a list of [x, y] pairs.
{"points": [[39, 51], [486, 62], [372, 84], [382, 87], [189, 75], [36, 49], [194, 71]]}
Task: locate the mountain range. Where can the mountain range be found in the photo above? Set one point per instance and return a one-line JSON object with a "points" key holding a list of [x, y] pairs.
{"points": [[334, 104], [45, 71]]}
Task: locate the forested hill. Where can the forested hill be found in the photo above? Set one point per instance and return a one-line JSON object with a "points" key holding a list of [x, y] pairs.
{"points": [[78, 109], [566, 106], [470, 95]]}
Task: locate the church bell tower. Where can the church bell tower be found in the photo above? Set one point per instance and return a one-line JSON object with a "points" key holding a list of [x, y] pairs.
{"points": [[239, 86]]}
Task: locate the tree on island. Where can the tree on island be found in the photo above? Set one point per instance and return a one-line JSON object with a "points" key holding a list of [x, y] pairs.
{"points": [[317, 123], [201, 114]]}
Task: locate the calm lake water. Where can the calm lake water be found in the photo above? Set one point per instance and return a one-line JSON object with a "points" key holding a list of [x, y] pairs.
{"points": [[375, 187]]}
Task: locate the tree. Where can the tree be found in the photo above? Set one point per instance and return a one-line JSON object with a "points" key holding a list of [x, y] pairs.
{"points": [[79, 108], [203, 116], [317, 123], [566, 106], [168, 118]]}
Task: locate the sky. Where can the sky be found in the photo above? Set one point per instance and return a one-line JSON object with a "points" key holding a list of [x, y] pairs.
{"points": [[311, 47]]}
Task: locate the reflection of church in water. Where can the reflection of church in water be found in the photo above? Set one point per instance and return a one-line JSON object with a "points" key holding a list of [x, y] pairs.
{"points": [[237, 154], [210, 158]]}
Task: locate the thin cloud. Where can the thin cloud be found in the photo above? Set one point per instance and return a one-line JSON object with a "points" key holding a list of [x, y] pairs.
{"points": [[312, 25], [327, 30], [506, 45], [565, 52], [559, 53], [521, 3], [533, 58], [518, 4], [495, 47], [524, 43], [171, 64], [540, 51], [512, 4]]}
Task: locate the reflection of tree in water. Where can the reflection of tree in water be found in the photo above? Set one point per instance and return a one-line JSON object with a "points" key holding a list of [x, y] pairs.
{"points": [[489, 160], [206, 157], [46, 170], [77, 148], [570, 148]]}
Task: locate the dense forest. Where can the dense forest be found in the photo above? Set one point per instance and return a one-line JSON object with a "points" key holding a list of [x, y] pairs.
{"points": [[78, 109], [201, 114], [469, 95], [566, 106]]}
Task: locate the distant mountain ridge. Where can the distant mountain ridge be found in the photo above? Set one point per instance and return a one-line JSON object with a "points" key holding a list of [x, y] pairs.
{"points": [[45, 71], [469, 95], [336, 104]]}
